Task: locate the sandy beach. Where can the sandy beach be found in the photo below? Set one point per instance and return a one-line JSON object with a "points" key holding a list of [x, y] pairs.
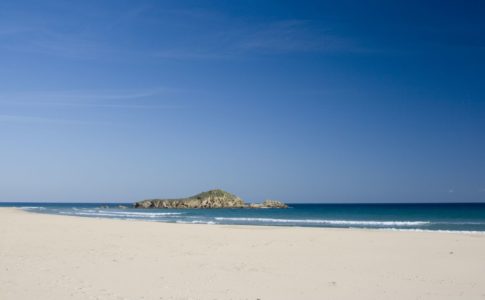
{"points": [[61, 257]]}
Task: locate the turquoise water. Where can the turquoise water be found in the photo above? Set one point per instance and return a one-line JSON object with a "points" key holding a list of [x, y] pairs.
{"points": [[444, 217]]}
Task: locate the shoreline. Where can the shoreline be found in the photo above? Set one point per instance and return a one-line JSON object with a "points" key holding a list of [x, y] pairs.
{"points": [[22, 209], [46, 256]]}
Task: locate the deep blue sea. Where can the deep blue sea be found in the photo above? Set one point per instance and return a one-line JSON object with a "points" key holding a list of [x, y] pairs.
{"points": [[443, 217]]}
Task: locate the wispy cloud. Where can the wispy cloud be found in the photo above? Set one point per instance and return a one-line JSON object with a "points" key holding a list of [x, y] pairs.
{"points": [[48, 107], [101, 105], [24, 119], [181, 34], [151, 98], [246, 39], [185, 54], [127, 16], [102, 94], [6, 31], [50, 42], [74, 33], [290, 36]]}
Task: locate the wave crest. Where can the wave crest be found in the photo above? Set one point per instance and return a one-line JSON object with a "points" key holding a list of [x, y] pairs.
{"points": [[328, 222]]}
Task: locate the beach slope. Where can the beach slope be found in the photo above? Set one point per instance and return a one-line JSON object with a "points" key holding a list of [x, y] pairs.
{"points": [[59, 257]]}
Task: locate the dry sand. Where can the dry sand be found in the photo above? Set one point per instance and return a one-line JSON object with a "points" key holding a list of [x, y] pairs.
{"points": [[59, 257]]}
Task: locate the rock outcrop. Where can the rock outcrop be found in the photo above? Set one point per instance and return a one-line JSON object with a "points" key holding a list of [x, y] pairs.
{"points": [[209, 199], [268, 204]]}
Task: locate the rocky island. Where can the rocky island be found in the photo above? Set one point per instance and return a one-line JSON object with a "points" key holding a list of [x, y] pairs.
{"points": [[209, 199]]}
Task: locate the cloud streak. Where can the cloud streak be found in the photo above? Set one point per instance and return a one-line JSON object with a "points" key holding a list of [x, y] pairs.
{"points": [[57, 31], [290, 36], [108, 99], [24, 119], [243, 40], [184, 35], [90, 94]]}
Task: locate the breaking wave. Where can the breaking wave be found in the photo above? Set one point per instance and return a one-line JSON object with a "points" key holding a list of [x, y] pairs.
{"points": [[196, 222], [328, 222], [120, 214]]}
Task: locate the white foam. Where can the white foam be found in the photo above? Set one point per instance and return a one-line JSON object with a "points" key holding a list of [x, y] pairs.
{"points": [[435, 230], [142, 214], [196, 222], [119, 215], [462, 223], [328, 222], [32, 207]]}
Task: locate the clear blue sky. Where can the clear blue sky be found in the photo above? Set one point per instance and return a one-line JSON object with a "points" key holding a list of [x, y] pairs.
{"points": [[302, 101]]}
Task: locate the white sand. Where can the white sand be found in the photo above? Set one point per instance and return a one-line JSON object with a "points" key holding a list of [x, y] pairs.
{"points": [[60, 257]]}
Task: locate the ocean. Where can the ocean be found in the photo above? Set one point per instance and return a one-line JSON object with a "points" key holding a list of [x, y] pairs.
{"points": [[463, 217]]}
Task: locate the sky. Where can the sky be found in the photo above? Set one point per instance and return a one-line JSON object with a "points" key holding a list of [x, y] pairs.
{"points": [[300, 101]]}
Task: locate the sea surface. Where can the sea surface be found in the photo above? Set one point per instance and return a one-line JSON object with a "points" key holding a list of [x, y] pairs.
{"points": [[468, 217]]}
